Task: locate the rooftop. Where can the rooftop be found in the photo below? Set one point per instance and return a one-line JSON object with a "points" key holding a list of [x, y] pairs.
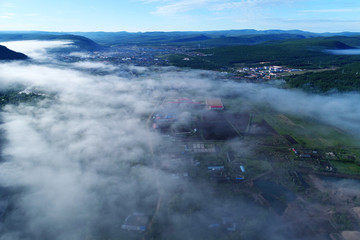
{"points": [[214, 103]]}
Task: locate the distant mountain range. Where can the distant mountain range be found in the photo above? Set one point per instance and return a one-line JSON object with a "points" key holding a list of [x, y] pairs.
{"points": [[93, 41], [7, 54], [203, 39]]}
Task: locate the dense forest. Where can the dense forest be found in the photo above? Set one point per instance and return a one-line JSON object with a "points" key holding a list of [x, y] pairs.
{"points": [[343, 79], [305, 53], [16, 96]]}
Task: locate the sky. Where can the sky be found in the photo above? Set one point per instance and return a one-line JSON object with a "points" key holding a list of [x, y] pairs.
{"points": [[179, 15]]}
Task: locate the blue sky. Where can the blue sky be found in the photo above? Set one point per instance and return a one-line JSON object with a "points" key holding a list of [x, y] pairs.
{"points": [[179, 15]]}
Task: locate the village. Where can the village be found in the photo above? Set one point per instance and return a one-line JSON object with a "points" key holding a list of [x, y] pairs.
{"points": [[260, 72], [263, 72]]}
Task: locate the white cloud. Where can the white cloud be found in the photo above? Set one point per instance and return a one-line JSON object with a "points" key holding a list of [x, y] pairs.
{"points": [[31, 15], [182, 6], [34, 48], [94, 65], [174, 7], [335, 10], [153, 1], [7, 16]]}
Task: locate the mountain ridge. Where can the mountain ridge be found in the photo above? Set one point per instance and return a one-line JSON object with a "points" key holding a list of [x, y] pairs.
{"points": [[80, 42], [175, 38], [8, 54]]}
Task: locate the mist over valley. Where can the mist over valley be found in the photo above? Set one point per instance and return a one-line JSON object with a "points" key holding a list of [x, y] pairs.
{"points": [[93, 148]]}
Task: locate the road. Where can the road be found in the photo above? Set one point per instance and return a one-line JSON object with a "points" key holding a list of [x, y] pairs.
{"points": [[151, 148]]}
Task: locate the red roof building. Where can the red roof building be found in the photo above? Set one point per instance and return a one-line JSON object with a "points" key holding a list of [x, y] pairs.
{"points": [[214, 104]]}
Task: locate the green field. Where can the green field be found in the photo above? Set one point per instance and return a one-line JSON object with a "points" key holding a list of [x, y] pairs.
{"points": [[310, 133], [346, 167], [313, 135]]}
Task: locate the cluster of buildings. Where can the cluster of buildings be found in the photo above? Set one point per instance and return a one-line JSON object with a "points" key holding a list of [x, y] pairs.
{"points": [[321, 160], [264, 72], [135, 55]]}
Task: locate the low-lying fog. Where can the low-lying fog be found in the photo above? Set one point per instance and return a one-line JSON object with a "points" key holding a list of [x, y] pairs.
{"points": [[344, 51], [78, 159], [35, 49]]}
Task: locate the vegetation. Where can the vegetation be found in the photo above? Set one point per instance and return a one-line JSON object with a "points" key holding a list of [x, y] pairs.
{"points": [[342, 221], [194, 39], [202, 39], [81, 43], [193, 62], [340, 72], [304, 53], [346, 78], [346, 167], [14, 96]]}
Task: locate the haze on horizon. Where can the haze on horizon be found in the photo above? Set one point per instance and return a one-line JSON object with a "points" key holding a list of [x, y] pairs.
{"points": [[179, 15]]}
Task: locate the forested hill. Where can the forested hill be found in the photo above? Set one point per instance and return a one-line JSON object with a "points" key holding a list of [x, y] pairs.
{"points": [[307, 54], [304, 53], [7, 54], [201, 38], [79, 42]]}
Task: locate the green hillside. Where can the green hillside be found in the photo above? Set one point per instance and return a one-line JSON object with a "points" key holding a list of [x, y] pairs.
{"points": [[305, 54], [204, 38], [346, 78], [193, 39], [79, 42]]}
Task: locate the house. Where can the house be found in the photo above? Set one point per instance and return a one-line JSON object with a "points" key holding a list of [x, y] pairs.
{"points": [[214, 104], [294, 150], [203, 148], [216, 168]]}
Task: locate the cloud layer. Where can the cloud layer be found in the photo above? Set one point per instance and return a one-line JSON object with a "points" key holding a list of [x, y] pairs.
{"points": [[82, 160]]}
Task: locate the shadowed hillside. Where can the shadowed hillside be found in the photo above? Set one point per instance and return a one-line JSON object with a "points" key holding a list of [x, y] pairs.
{"points": [[7, 54], [79, 42]]}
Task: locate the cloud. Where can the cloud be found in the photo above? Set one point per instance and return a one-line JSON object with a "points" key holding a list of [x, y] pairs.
{"points": [[175, 7], [94, 65], [153, 1], [81, 160], [245, 4], [181, 6], [335, 109], [7, 16], [31, 15], [336, 10], [74, 152], [34, 48]]}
